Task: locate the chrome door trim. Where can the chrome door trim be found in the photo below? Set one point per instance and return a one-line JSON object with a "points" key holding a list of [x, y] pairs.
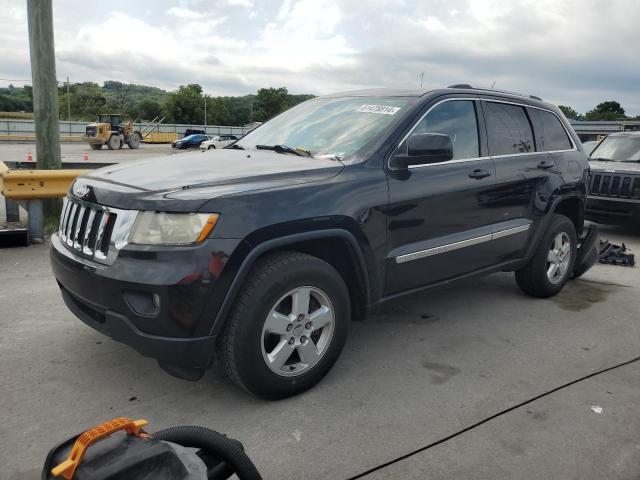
{"points": [[443, 248], [449, 247], [510, 231]]}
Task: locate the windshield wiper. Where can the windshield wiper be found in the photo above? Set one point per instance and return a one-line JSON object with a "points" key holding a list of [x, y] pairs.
{"points": [[600, 159], [235, 146], [285, 149]]}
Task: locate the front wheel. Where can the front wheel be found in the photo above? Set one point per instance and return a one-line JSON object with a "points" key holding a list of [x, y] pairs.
{"points": [[134, 141], [287, 327], [114, 142], [552, 263], [96, 146], [211, 147]]}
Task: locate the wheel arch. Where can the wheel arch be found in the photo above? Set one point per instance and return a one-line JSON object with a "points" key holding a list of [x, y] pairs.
{"points": [[337, 247], [572, 208]]}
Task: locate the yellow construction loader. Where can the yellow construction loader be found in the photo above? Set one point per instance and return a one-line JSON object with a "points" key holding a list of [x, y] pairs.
{"points": [[110, 130]]}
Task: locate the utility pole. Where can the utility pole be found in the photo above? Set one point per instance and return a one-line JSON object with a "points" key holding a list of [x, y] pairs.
{"points": [[421, 79], [45, 84], [205, 113], [45, 110], [68, 101]]}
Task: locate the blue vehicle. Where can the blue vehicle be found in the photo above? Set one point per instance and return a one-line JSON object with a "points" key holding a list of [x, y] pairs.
{"points": [[190, 141]]}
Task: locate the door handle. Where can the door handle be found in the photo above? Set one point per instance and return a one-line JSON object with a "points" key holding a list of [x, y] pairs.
{"points": [[544, 165], [478, 174]]}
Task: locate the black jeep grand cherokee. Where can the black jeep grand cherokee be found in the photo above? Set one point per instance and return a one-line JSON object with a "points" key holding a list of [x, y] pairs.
{"points": [[259, 254]]}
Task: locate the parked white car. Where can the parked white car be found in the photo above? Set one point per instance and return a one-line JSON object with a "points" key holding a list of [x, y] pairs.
{"points": [[218, 141]]}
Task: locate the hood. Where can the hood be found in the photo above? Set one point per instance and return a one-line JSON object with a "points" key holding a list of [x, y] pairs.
{"points": [[617, 167], [184, 182]]}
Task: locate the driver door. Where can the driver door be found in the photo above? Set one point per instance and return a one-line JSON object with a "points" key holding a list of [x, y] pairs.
{"points": [[439, 220]]}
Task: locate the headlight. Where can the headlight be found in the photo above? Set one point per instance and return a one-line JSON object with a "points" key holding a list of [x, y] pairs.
{"points": [[157, 228]]}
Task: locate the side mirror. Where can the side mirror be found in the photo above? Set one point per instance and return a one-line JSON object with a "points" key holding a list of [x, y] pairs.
{"points": [[425, 148]]}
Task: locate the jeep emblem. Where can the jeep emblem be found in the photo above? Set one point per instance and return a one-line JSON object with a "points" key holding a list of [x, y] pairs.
{"points": [[82, 191]]}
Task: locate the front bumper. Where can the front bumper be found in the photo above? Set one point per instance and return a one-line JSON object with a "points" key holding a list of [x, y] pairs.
{"points": [[118, 299], [613, 210]]}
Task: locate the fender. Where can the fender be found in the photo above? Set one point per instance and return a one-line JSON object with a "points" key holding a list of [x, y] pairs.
{"points": [[259, 249], [544, 222]]}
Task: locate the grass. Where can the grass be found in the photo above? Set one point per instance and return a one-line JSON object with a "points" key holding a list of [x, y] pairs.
{"points": [[17, 115]]}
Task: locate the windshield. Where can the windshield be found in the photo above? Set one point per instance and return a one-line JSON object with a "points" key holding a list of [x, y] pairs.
{"points": [[618, 149], [331, 127]]}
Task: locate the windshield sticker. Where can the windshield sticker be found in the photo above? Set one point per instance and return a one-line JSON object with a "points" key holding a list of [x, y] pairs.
{"points": [[383, 109]]}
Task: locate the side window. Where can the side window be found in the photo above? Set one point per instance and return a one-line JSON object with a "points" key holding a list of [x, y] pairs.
{"points": [[508, 129], [456, 118], [550, 134]]}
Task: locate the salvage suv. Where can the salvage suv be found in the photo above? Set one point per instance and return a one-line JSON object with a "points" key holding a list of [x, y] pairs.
{"points": [[614, 183], [258, 255]]}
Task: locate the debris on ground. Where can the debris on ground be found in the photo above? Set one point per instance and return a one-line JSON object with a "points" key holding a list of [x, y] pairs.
{"points": [[596, 408], [612, 254]]}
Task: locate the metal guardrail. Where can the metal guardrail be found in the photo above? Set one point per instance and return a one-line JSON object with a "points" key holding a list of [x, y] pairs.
{"points": [[35, 184], [28, 187], [13, 129]]}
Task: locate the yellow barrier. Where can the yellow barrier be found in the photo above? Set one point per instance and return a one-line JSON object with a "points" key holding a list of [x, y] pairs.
{"points": [[160, 137], [31, 184], [32, 138]]}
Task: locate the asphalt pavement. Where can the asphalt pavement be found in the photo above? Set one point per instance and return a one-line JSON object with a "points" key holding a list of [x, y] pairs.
{"points": [[475, 380]]}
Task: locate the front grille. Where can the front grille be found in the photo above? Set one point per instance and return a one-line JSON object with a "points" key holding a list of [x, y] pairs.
{"points": [[86, 228], [91, 130], [614, 185]]}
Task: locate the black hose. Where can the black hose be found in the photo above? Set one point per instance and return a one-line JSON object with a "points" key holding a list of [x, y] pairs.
{"points": [[228, 450]]}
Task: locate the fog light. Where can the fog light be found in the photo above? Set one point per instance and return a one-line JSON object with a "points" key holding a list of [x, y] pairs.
{"points": [[156, 301], [143, 303]]}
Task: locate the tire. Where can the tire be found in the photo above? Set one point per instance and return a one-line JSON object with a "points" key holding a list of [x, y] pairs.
{"points": [[96, 146], [211, 147], [537, 278], [113, 143], [264, 363], [134, 141]]}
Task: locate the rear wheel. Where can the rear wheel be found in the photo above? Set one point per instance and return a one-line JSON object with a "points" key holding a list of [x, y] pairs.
{"points": [[552, 263], [114, 142], [287, 327], [134, 141], [96, 146]]}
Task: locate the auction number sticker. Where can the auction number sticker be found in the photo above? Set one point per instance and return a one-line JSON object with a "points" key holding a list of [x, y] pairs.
{"points": [[383, 109]]}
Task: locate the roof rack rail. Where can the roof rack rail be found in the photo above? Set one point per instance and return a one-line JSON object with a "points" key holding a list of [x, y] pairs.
{"points": [[466, 85]]}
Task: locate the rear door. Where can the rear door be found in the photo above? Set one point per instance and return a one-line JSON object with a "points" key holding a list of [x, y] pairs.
{"points": [[526, 176], [439, 224]]}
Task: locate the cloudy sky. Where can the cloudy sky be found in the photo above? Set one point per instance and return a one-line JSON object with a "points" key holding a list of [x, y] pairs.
{"points": [[573, 52]]}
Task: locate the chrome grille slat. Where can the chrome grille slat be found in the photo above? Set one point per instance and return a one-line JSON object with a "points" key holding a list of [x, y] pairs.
{"points": [[70, 222], [77, 227], [63, 216], [94, 231], [88, 228], [100, 236]]}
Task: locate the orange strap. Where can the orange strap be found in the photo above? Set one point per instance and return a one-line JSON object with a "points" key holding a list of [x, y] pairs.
{"points": [[67, 468]]}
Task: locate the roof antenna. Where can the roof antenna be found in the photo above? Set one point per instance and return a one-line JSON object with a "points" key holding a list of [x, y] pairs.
{"points": [[493, 84]]}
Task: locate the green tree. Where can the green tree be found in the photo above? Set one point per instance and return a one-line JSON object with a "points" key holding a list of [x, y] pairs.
{"points": [[610, 110], [119, 96], [270, 102], [186, 105], [86, 101], [147, 109], [217, 112], [570, 112]]}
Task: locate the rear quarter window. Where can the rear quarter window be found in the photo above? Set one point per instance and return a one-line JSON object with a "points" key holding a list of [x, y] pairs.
{"points": [[550, 134], [508, 129]]}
